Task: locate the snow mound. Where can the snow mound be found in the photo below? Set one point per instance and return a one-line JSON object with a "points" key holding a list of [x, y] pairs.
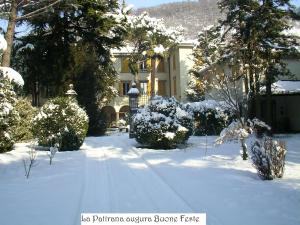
{"points": [[12, 75]]}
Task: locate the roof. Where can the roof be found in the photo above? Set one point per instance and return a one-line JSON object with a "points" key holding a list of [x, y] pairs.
{"points": [[284, 87]]}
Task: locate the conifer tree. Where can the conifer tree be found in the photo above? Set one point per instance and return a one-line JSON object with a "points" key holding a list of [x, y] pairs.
{"points": [[252, 39], [88, 28]]}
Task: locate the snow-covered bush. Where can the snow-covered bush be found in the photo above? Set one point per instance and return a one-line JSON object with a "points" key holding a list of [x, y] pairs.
{"points": [[240, 130], [268, 157], [61, 122], [8, 116], [9, 78], [23, 129], [163, 123], [211, 117]]}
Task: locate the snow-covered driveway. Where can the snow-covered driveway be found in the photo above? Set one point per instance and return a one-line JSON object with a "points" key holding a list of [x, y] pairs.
{"points": [[117, 179], [110, 174]]}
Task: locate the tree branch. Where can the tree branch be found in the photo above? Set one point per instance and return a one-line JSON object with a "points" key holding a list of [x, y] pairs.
{"points": [[38, 11]]}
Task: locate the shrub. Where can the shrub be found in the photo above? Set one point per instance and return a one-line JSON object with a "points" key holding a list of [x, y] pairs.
{"points": [[268, 157], [23, 129], [211, 117], [163, 124], [240, 130], [61, 121], [8, 116]]}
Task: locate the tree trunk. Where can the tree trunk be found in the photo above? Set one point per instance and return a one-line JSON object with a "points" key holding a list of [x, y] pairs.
{"points": [[269, 99], [153, 73], [9, 36], [244, 149]]}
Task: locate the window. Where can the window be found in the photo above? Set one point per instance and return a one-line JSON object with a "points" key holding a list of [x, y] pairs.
{"points": [[144, 66], [144, 87], [124, 65], [124, 88]]}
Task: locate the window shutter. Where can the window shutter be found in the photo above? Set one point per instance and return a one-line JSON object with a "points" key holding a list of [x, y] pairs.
{"points": [[148, 64], [120, 89], [161, 66], [125, 65]]}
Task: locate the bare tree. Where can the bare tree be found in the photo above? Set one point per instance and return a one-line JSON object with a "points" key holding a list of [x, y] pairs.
{"points": [[31, 161], [18, 10]]}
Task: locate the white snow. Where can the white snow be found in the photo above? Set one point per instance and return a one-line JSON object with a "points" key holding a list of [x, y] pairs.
{"points": [[159, 50], [3, 43], [111, 175], [133, 91], [12, 75], [284, 87]]}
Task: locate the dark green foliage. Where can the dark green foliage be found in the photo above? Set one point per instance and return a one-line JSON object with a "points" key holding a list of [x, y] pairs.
{"points": [[61, 122], [70, 141], [73, 27], [210, 122], [23, 129], [163, 124], [92, 83], [210, 116]]}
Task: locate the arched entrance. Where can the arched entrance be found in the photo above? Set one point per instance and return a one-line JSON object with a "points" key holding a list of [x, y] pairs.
{"points": [[110, 114], [123, 111]]}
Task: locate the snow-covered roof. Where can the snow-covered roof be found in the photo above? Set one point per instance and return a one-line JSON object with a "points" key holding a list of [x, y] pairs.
{"points": [[122, 50], [133, 90], [284, 87]]}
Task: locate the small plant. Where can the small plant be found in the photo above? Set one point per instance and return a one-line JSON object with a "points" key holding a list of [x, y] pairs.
{"points": [[31, 161], [51, 154], [268, 157]]}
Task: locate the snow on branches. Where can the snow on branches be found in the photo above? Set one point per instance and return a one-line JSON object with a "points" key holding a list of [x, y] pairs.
{"points": [[240, 130], [12, 75], [3, 43], [154, 33]]}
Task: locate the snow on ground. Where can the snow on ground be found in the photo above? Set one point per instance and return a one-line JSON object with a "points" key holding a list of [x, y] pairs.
{"points": [[110, 174]]}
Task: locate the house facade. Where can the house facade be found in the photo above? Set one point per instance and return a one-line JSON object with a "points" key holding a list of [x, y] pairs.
{"points": [[171, 79]]}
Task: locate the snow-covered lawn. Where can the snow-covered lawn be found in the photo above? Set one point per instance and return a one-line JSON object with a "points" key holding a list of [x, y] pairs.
{"points": [[110, 174]]}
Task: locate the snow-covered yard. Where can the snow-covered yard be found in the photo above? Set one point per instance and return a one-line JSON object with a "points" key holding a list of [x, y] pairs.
{"points": [[110, 174]]}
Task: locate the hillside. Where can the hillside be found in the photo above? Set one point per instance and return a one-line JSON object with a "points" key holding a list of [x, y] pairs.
{"points": [[193, 16]]}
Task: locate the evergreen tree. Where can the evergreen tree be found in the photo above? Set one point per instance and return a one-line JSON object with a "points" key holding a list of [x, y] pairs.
{"points": [[88, 28], [150, 40], [93, 84], [251, 39], [16, 11]]}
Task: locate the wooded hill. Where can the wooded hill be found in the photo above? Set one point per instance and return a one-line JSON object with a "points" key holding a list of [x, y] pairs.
{"points": [[192, 15]]}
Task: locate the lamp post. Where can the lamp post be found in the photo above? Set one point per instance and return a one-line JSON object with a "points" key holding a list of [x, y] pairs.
{"points": [[133, 94], [71, 93]]}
